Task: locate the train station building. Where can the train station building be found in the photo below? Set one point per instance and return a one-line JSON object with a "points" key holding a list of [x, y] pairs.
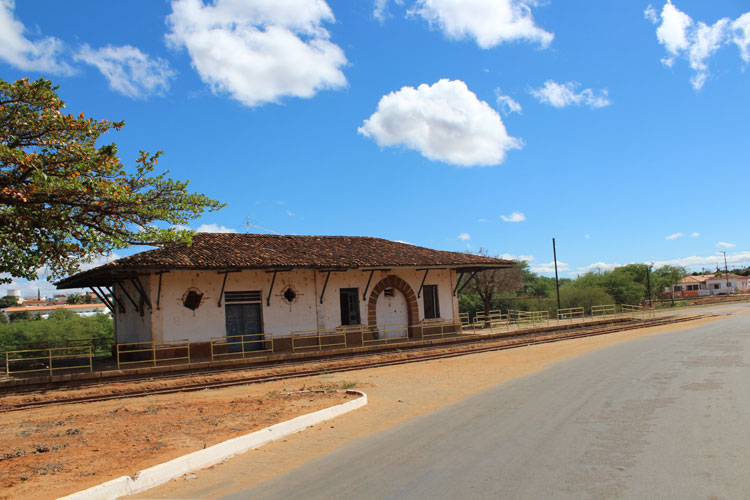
{"points": [[254, 288]]}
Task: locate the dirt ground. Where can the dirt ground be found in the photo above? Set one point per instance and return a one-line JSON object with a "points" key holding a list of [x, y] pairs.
{"points": [[54, 451]]}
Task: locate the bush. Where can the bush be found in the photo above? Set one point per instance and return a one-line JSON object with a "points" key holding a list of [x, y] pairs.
{"points": [[584, 296], [62, 329]]}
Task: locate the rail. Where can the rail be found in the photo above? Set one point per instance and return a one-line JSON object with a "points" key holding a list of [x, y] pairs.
{"points": [[175, 352], [603, 310], [44, 360], [570, 313], [532, 317], [441, 329], [318, 339], [234, 346], [384, 334]]}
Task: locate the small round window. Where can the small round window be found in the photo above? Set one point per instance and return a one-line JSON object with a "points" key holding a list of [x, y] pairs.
{"points": [[289, 295]]}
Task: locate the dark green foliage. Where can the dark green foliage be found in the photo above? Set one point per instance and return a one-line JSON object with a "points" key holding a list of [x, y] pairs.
{"points": [[62, 329], [623, 285], [19, 316], [574, 295], [64, 199], [8, 301], [75, 298]]}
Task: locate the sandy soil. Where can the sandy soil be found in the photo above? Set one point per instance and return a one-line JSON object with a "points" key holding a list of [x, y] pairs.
{"points": [[396, 394], [54, 451]]}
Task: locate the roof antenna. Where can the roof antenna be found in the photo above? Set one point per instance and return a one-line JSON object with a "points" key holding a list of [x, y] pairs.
{"points": [[249, 224]]}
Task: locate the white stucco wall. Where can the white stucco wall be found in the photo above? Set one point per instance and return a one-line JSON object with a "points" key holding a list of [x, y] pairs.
{"points": [[131, 326], [173, 321]]}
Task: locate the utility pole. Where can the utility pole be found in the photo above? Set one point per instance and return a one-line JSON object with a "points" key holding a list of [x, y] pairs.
{"points": [[648, 282], [557, 283], [726, 272]]}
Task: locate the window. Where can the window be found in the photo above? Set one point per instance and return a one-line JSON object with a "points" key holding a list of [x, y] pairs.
{"points": [[431, 304], [717, 286], [691, 288], [678, 288], [349, 306]]}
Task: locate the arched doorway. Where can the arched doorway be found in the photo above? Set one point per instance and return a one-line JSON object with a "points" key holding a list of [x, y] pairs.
{"points": [[380, 307], [391, 309]]}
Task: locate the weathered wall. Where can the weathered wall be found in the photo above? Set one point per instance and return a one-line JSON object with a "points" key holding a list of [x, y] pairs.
{"points": [[173, 321], [132, 326]]}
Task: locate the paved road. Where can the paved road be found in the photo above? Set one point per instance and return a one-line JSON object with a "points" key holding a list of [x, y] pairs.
{"points": [[661, 417]]}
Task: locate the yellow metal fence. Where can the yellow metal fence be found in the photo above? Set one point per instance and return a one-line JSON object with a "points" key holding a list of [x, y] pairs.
{"points": [[170, 352], [241, 345], [48, 360], [570, 313]]}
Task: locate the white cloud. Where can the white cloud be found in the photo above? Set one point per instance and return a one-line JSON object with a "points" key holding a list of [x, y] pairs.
{"points": [[741, 36], [483, 220], [379, 10], [737, 259], [514, 217], [488, 22], [444, 121], [561, 95], [290, 213], [128, 70], [674, 236], [22, 53], [214, 228], [695, 235], [464, 236], [697, 41], [597, 267], [650, 14], [259, 51], [507, 104], [549, 268], [507, 256], [724, 244]]}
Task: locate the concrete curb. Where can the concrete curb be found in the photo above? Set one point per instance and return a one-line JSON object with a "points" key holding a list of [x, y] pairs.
{"points": [[162, 473]]}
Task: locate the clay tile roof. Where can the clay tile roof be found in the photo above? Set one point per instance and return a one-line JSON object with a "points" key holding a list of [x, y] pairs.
{"points": [[259, 251]]}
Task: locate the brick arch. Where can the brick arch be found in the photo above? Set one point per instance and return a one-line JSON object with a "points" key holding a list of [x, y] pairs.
{"points": [[391, 281]]}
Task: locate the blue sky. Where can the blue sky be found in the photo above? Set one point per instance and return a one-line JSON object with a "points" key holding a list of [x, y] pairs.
{"points": [[619, 128]]}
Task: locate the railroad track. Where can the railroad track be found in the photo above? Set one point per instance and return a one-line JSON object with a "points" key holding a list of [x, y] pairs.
{"points": [[323, 366]]}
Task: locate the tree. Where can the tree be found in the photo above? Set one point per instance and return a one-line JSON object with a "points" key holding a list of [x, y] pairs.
{"points": [[64, 200], [8, 301], [19, 316], [575, 295], [75, 298], [490, 283], [665, 277]]}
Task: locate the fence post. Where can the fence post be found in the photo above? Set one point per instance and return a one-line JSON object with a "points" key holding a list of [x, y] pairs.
{"points": [[7, 365], [91, 361], [153, 352], [49, 351]]}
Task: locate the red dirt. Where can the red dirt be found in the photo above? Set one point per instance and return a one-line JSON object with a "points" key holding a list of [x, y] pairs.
{"points": [[54, 451]]}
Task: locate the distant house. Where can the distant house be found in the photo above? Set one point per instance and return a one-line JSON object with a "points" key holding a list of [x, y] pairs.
{"points": [[246, 284], [46, 309], [711, 284]]}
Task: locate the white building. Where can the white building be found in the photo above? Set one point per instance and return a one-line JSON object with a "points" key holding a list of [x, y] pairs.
{"points": [[246, 284], [711, 284]]}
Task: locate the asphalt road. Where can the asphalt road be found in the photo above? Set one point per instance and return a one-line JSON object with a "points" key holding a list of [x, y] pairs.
{"points": [[661, 417]]}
